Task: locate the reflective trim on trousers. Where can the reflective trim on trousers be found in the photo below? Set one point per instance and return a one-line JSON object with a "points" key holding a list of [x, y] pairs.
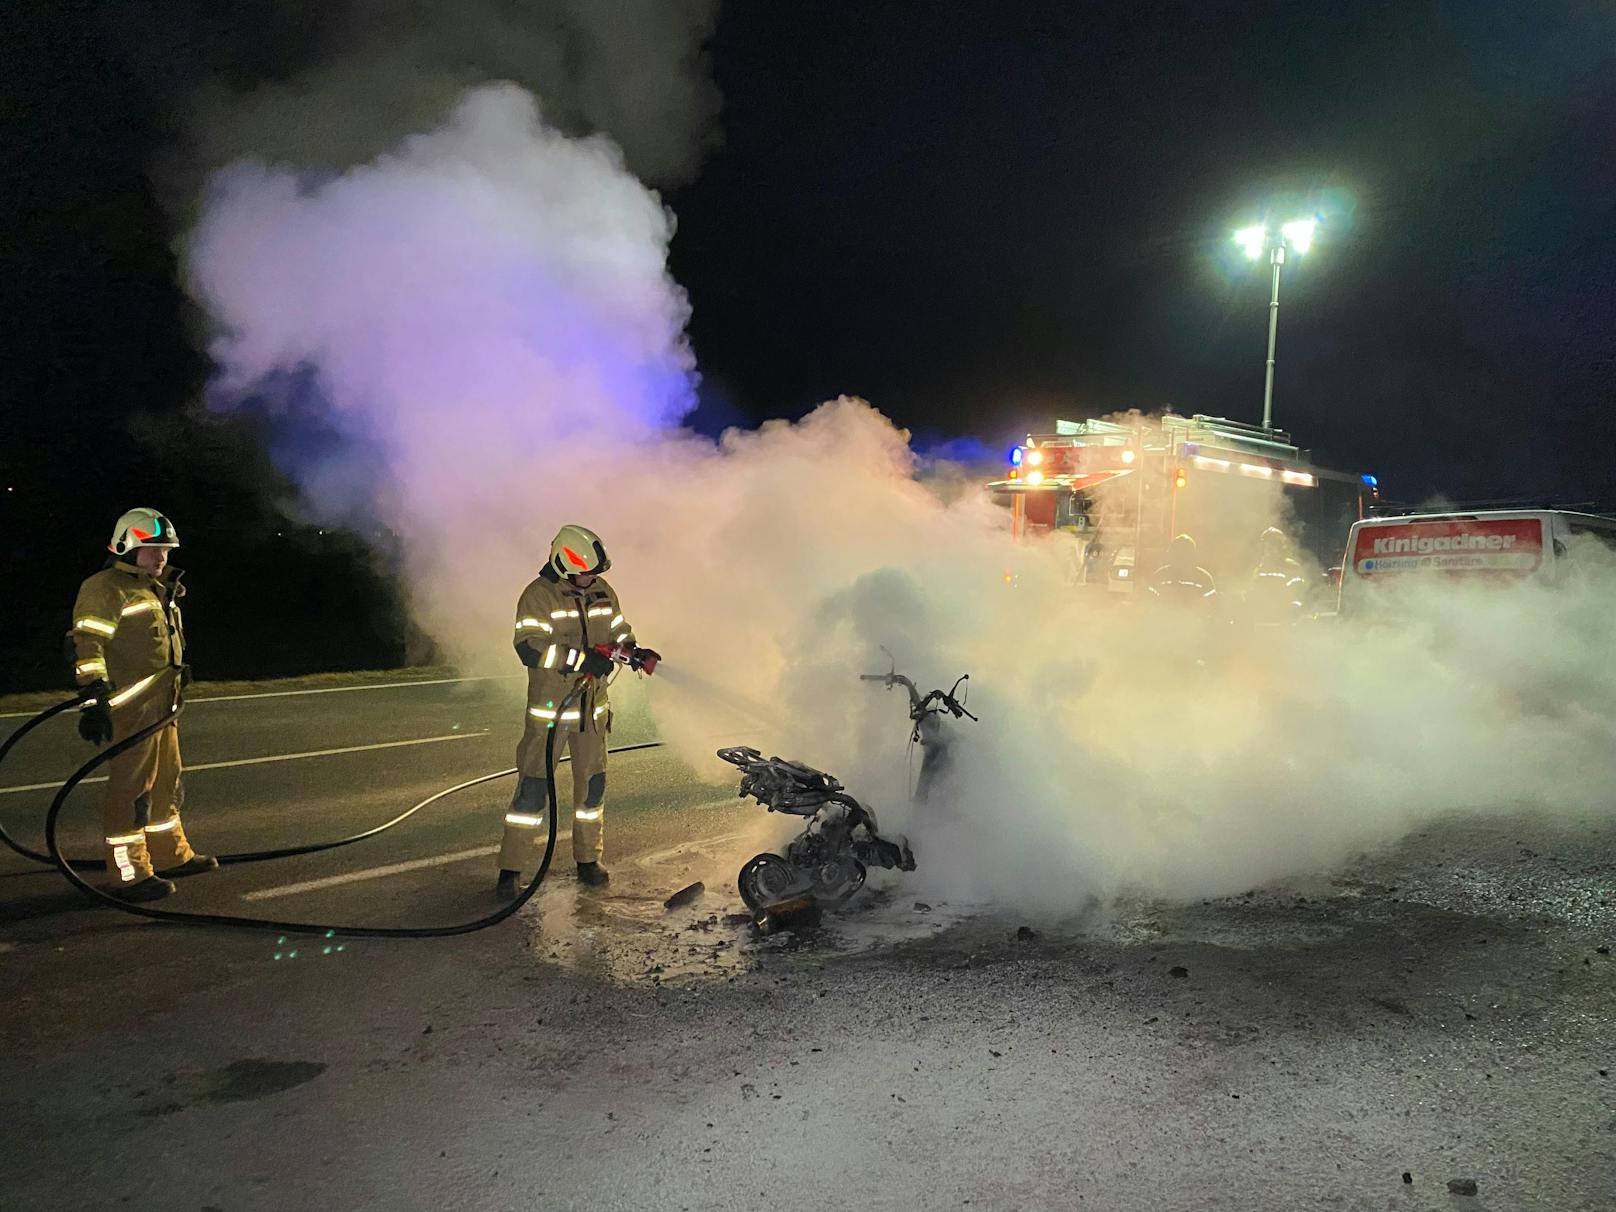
{"points": [[548, 713], [164, 826], [587, 814], [120, 854], [523, 819]]}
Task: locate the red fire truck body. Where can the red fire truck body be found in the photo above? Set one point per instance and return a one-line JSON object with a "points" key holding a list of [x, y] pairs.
{"points": [[1124, 488]]}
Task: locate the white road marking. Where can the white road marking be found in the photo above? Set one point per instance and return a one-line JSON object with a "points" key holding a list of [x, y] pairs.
{"points": [[275, 757], [460, 856], [376, 873], [283, 694]]}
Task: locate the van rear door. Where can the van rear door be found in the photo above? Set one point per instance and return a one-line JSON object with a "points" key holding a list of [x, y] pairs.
{"points": [[1384, 552]]}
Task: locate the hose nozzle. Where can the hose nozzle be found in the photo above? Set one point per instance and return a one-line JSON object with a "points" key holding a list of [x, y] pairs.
{"points": [[641, 660]]}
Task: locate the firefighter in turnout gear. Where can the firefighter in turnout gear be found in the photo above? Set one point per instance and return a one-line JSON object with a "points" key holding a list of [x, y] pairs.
{"points": [[1274, 595], [1181, 580], [561, 619], [128, 647]]}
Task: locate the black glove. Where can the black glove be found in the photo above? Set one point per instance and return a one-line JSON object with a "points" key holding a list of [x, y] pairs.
{"points": [[185, 676], [595, 665], [643, 657], [95, 719], [526, 654]]}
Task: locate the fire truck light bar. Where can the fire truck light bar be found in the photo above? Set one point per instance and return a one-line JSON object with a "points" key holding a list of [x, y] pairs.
{"points": [[1301, 478]]}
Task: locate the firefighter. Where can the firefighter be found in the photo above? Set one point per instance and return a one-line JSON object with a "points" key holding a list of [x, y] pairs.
{"points": [[1181, 579], [1273, 596], [561, 619], [129, 649]]}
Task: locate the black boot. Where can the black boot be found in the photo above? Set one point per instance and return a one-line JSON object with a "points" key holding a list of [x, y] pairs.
{"points": [[592, 874], [152, 888], [195, 865], [505, 886]]}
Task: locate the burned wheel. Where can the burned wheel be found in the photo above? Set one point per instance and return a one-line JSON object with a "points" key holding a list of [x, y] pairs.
{"points": [[840, 879], [766, 879]]}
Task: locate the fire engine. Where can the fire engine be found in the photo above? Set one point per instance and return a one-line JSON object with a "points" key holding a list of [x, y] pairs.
{"points": [[1123, 488]]}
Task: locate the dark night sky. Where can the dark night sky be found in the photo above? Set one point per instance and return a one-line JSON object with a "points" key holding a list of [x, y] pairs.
{"points": [[977, 216]]}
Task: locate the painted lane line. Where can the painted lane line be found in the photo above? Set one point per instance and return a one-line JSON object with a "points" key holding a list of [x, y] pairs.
{"points": [[275, 757], [460, 856], [283, 694], [376, 873]]}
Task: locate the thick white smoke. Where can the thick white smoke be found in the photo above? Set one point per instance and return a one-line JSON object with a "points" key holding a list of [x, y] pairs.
{"points": [[378, 70], [492, 322]]}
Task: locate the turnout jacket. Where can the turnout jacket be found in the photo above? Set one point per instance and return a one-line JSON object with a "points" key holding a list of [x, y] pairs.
{"points": [[127, 629], [558, 623]]}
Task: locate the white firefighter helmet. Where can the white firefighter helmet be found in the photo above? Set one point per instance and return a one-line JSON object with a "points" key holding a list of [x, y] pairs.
{"points": [[577, 551], [142, 528], [1272, 545]]}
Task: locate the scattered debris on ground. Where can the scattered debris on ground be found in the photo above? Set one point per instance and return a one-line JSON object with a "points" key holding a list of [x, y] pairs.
{"points": [[685, 895]]}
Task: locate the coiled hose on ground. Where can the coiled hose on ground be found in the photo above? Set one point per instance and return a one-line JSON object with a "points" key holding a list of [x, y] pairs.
{"points": [[70, 868]]}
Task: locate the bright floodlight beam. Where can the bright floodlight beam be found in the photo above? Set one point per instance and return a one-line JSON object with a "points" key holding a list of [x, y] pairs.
{"points": [[1297, 236], [1252, 239]]}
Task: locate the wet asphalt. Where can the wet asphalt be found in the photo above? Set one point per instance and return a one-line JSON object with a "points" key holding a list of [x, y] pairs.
{"points": [[1435, 1015]]}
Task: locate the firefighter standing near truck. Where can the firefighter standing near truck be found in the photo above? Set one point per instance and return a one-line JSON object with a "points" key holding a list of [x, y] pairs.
{"points": [[562, 618], [1182, 580], [128, 647], [1274, 594]]}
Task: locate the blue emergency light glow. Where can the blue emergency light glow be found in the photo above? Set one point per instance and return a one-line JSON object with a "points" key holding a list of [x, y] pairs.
{"points": [[1015, 457], [1371, 481]]}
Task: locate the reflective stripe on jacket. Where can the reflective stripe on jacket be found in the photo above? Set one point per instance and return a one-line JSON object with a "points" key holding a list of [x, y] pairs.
{"points": [[127, 629], [560, 623]]}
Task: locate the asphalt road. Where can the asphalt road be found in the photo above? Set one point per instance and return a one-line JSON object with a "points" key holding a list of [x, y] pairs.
{"points": [[280, 769], [1444, 1009]]}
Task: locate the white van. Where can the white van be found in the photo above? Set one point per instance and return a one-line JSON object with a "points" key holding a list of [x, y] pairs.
{"points": [[1500, 545]]}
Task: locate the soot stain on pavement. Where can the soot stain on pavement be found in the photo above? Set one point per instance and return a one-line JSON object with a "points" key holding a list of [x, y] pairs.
{"points": [[239, 1081], [1376, 917], [244, 1080]]}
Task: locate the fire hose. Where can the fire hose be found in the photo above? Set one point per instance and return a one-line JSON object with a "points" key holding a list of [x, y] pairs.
{"points": [[70, 868]]}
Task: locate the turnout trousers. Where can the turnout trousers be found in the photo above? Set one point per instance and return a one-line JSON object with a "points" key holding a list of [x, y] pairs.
{"points": [[140, 813], [525, 824]]}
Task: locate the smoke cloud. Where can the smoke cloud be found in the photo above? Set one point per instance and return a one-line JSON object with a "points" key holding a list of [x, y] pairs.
{"points": [[484, 313], [379, 70]]}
